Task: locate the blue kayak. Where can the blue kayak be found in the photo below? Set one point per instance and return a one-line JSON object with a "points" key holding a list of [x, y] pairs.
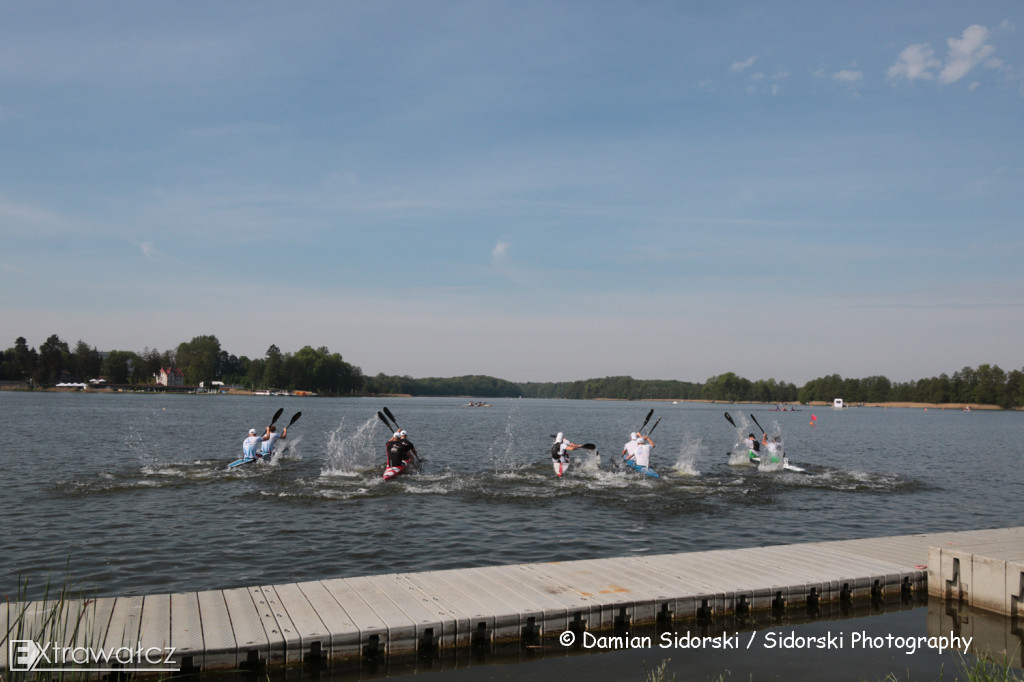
{"points": [[646, 471]]}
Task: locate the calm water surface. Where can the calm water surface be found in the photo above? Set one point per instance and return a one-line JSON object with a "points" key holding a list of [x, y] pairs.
{"points": [[130, 494]]}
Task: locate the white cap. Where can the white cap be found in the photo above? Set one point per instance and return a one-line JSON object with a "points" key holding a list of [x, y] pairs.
{"points": [[252, 432], [558, 437], [632, 436], [396, 434], [402, 433]]}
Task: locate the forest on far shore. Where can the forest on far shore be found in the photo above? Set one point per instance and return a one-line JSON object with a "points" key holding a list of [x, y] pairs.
{"points": [[202, 360]]}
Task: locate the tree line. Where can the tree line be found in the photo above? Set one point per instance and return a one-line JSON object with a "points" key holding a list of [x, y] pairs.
{"points": [[201, 361], [317, 369]]}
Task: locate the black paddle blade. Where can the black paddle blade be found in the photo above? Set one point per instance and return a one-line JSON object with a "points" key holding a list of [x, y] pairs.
{"points": [[589, 446], [649, 415], [728, 418], [392, 418], [277, 415], [654, 427], [295, 418], [756, 422], [384, 421]]}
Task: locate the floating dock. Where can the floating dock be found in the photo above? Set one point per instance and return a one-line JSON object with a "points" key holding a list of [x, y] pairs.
{"points": [[411, 613]]}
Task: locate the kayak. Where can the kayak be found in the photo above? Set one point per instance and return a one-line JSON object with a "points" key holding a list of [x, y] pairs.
{"points": [[560, 467], [647, 471], [391, 472], [244, 460]]}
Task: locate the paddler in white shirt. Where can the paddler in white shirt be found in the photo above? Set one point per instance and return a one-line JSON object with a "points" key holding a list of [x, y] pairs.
{"points": [[250, 445], [270, 438], [644, 445], [561, 448], [629, 449]]}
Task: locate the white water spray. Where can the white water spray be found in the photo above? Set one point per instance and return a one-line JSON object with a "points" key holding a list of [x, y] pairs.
{"points": [[347, 453], [689, 449]]}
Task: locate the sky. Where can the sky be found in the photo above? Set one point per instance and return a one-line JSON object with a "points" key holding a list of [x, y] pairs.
{"points": [[538, 191]]}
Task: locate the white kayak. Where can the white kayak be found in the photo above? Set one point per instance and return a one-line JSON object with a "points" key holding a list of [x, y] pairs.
{"points": [[560, 467]]}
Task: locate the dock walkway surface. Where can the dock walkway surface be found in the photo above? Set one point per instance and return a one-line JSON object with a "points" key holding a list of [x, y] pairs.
{"points": [[406, 613]]}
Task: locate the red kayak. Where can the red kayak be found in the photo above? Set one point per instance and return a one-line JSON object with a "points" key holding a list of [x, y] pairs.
{"points": [[391, 472]]}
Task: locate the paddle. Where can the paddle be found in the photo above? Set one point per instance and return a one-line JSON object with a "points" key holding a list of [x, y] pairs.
{"points": [[654, 427], [728, 418], [416, 457], [277, 415], [758, 425], [295, 418], [649, 415]]}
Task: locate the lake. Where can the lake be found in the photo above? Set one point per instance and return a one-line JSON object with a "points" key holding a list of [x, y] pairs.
{"points": [[120, 494]]}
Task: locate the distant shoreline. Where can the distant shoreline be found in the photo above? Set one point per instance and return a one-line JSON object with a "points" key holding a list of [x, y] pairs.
{"points": [[788, 406]]}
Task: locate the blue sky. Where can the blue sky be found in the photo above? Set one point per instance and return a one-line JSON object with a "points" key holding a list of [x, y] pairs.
{"points": [[532, 190]]}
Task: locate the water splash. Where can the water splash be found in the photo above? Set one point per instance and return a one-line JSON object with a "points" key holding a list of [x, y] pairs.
{"points": [[689, 450], [502, 450], [348, 453]]}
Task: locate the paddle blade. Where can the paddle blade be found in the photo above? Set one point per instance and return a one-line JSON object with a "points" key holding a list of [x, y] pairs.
{"points": [[654, 427], [295, 418], [649, 415], [728, 418], [384, 421], [392, 418], [277, 415], [589, 446], [756, 422]]}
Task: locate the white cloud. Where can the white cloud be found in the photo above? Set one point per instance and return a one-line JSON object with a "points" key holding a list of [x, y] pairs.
{"points": [[965, 53], [918, 62], [499, 250], [848, 76], [148, 250], [915, 62], [740, 66]]}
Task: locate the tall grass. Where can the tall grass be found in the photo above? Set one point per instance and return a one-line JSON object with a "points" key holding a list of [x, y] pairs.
{"points": [[59, 618]]}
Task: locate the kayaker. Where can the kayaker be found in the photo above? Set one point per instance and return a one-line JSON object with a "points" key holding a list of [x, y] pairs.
{"points": [[644, 445], [251, 445], [774, 448], [629, 449], [400, 450], [270, 438], [561, 448], [753, 447]]}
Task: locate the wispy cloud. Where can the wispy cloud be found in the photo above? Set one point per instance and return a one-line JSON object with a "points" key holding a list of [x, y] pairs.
{"points": [[745, 64], [148, 250], [918, 62], [914, 63], [848, 76], [498, 253]]}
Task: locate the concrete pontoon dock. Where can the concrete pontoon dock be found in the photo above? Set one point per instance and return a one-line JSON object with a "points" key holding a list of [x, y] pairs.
{"points": [[406, 613]]}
